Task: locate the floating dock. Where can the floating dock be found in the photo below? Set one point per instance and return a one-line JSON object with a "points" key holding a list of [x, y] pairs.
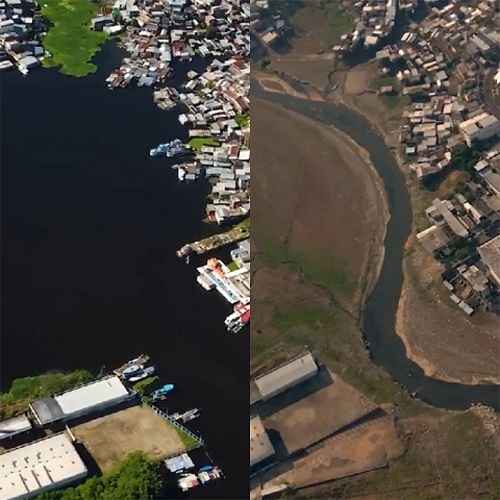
{"points": [[234, 286], [214, 242], [141, 360]]}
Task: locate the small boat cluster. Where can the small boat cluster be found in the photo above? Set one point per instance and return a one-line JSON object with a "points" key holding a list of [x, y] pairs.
{"points": [[138, 369], [135, 370], [189, 475], [172, 149], [240, 316]]}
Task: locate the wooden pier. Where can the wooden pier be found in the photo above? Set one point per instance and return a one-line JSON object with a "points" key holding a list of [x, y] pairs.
{"points": [[211, 243], [141, 360]]}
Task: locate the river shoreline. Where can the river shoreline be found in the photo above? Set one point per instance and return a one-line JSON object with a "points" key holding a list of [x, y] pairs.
{"points": [[90, 227], [379, 322], [429, 368]]}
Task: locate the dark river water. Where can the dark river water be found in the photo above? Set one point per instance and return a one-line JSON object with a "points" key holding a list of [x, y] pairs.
{"points": [[90, 225], [386, 348]]}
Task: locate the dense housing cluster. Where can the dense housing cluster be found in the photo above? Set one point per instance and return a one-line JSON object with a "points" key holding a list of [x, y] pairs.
{"points": [[20, 25], [446, 66]]}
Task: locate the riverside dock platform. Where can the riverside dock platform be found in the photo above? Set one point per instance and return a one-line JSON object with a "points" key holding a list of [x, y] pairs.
{"points": [[140, 360], [214, 242]]}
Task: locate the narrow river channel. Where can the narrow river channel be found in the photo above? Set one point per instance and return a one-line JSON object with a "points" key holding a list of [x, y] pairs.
{"points": [[386, 347]]}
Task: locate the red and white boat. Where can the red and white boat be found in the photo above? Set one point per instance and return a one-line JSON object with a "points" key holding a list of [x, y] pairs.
{"points": [[239, 318]]}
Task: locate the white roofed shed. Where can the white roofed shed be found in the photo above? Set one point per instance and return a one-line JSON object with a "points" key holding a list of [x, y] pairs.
{"points": [[96, 395], [286, 376]]}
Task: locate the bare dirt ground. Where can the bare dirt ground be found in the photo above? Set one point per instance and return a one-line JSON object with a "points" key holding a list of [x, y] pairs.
{"points": [[327, 211], [309, 413], [438, 336], [111, 438], [367, 447]]}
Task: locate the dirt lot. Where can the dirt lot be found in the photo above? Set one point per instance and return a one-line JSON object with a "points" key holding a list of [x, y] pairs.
{"points": [[449, 457], [366, 447], [111, 438], [313, 410]]}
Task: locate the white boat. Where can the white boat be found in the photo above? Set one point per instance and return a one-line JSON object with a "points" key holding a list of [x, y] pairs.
{"points": [[147, 372]]}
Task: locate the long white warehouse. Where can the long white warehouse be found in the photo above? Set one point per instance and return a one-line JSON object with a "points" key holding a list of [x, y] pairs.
{"points": [[44, 465], [78, 402]]}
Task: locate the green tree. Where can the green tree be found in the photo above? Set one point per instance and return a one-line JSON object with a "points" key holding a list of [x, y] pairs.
{"points": [[210, 32], [465, 157], [462, 253], [460, 242], [136, 478]]}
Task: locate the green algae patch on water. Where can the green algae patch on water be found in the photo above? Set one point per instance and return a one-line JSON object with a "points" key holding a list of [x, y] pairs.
{"points": [[70, 40]]}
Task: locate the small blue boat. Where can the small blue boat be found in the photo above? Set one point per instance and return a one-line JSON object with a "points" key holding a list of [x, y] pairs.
{"points": [[162, 391]]}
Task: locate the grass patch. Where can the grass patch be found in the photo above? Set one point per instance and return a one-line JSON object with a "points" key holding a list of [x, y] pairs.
{"points": [[243, 119], [70, 40], [197, 143], [264, 351], [314, 317], [187, 440], [384, 81], [318, 267], [142, 385], [244, 224], [26, 390], [394, 101], [340, 20], [232, 266]]}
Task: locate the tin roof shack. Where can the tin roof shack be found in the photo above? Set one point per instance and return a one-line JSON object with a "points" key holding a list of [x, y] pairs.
{"points": [[44, 465], [286, 376], [261, 449], [98, 23], [435, 241], [490, 254], [444, 209], [477, 281], [14, 426]]}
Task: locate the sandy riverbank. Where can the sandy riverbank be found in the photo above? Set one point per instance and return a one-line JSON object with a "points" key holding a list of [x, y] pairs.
{"points": [[374, 257]]}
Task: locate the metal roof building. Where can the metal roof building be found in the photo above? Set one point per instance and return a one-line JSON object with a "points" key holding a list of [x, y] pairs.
{"points": [[287, 375], [13, 426], [490, 253], [44, 465], [260, 445], [94, 396]]}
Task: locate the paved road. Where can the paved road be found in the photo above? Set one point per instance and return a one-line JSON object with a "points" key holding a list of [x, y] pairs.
{"points": [[489, 96]]}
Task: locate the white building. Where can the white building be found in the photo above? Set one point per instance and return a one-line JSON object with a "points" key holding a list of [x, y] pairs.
{"points": [[479, 128], [44, 465], [78, 402], [287, 375]]}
